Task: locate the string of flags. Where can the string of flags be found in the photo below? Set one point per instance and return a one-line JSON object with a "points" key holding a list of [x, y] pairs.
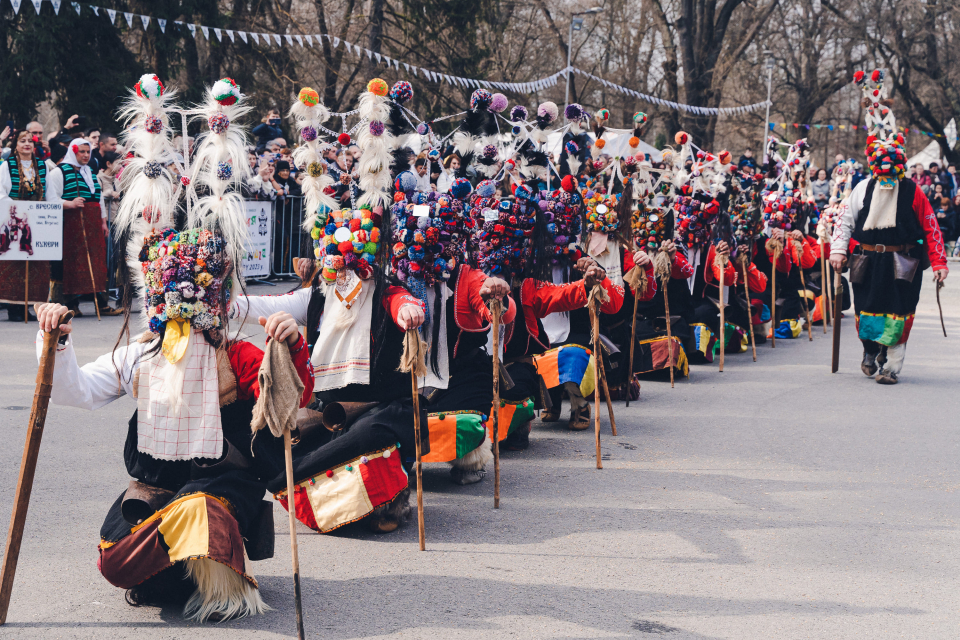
{"points": [[279, 40], [786, 126]]}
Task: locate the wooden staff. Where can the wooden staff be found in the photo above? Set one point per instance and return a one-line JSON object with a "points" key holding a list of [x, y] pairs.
{"points": [[26, 291], [773, 302], [829, 290], [598, 354], [291, 513], [93, 281], [824, 301], [495, 416], [837, 300], [595, 323], [666, 306], [723, 314], [416, 434], [633, 342], [806, 307], [28, 464], [746, 288], [942, 326]]}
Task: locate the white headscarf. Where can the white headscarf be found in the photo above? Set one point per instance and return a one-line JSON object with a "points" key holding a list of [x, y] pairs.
{"points": [[84, 169]]}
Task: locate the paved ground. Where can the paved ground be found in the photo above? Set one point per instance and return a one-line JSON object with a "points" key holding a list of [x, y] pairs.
{"points": [[774, 500]]}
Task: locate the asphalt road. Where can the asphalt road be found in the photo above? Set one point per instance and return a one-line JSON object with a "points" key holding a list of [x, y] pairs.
{"points": [[774, 500]]}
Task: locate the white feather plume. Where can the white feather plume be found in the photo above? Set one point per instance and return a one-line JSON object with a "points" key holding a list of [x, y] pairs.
{"points": [[374, 168]]}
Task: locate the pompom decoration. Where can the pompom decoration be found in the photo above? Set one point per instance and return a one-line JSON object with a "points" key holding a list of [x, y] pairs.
{"points": [[423, 129], [308, 97], [548, 110], [480, 99], [681, 137], [406, 182], [378, 87], [603, 115], [315, 169], [218, 123], [153, 124], [185, 181], [724, 157], [600, 143], [634, 142], [639, 118], [308, 133], [571, 148], [344, 139], [338, 245], [376, 128], [498, 102], [573, 112], [518, 113], [225, 91], [149, 87], [224, 171], [401, 92], [460, 188], [568, 183], [152, 170], [601, 213]]}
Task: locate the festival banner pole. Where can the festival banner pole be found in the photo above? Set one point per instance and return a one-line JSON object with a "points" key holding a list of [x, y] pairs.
{"points": [[28, 464]]}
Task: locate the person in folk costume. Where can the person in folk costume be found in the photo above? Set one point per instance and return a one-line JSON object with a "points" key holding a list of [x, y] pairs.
{"points": [[178, 533], [698, 188], [534, 164], [24, 178], [747, 222], [897, 233], [576, 140], [784, 203], [841, 178], [530, 359], [431, 238], [355, 317]]}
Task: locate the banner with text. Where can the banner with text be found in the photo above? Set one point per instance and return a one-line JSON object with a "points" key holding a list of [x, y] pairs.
{"points": [[30, 230], [256, 264]]}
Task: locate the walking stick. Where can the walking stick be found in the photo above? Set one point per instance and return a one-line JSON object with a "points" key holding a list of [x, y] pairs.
{"points": [[942, 326], [723, 313], [26, 291], [837, 300], [829, 289], [28, 464], [495, 416], [413, 336], [824, 301], [594, 301], [595, 325], [83, 227], [291, 513], [773, 306], [666, 306], [806, 307], [746, 288], [633, 342]]}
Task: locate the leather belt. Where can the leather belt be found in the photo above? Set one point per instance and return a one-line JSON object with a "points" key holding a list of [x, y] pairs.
{"points": [[886, 248]]}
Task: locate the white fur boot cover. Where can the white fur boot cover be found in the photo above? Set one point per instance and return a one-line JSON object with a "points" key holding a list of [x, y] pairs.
{"points": [[221, 592], [478, 458]]}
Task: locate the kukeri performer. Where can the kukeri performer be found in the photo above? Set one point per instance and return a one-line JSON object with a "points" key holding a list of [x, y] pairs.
{"points": [[24, 178], [894, 226], [179, 532]]}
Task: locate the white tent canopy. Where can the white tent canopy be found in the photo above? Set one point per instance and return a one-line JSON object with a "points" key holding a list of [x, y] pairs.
{"points": [[930, 153], [616, 145]]}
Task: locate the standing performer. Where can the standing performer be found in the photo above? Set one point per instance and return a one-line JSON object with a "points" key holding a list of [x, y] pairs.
{"points": [[897, 232], [23, 177], [83, 269]]}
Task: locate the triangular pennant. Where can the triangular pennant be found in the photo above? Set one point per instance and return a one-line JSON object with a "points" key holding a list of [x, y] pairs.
{"points": [[299, 39], [336, 42], [96, 10], [243, 36], [217, 33], [129, 18], [359, 51], [193, 29], [56, 6], [231, 35], [256, 38], [145, 20], [414, 70], [206, 31], [163, 25], [112, 14], [16, 6], [289, 39], [406, 67], [76, 6], [377, 56], [37, 4], [277, 38], [369, 53], [309, 39]]}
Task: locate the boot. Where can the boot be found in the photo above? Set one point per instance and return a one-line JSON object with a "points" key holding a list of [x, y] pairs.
{"points": [[580, 420], [886, 377], [869, 364]]}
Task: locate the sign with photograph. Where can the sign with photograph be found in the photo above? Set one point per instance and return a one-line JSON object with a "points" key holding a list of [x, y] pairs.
{"points": [[30, 230], [256, 264]]}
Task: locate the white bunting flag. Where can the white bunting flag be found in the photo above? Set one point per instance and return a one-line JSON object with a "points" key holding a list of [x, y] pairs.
{"points": [[145, 20], [256, 38], [377, 56], [289, 40], [163, 25], [243, 36], [230, 34], [277, 38], [406, 67], [56, 6], [193, 29], [129, 18], [37, 4], [414, 70], [205, 31], [336, 42], [369, 53], [16, 6], [112, 14], [217, 33], [76, 5], [309, 39]]}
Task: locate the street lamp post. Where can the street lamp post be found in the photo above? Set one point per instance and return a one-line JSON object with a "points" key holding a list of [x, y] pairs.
{"points": [[577, 22], [766, 122]]}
